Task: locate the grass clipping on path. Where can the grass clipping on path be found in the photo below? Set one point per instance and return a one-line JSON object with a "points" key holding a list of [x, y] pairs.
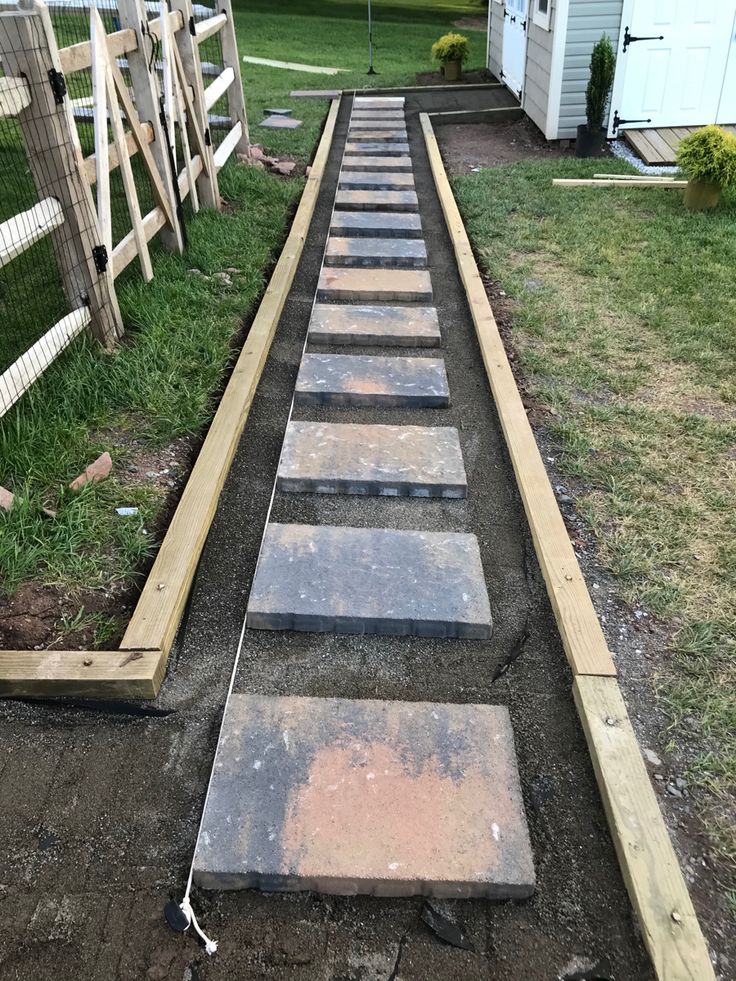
{"points": [[624, 312], [157, 386]]}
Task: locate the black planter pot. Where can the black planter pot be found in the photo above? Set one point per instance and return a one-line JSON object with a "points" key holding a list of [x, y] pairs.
{"points": [[589, 143]]}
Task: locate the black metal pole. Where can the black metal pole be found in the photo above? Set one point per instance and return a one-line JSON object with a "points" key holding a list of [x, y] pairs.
{"points": [[371, 70]]}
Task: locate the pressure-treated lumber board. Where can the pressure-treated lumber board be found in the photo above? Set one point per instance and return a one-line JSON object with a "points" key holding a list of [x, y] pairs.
{"points": [[75, 57], [222, 153], [630, 177], [157, 614], [206, 28], [577, 621], [20, 232], [14, 95], [648, 861], [636, 182], [90, 162], [218, 87], [92, 674]]}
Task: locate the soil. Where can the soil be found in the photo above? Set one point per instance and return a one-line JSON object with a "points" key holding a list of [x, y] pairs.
{"points": [[638, 641], [474, 77]]}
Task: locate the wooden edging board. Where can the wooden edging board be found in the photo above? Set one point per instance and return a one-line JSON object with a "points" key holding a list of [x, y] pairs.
{"points": [[648, 862], [138, 668]]}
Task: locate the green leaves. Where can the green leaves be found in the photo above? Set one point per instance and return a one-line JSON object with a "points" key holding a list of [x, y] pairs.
{"points": [[602, 68]]}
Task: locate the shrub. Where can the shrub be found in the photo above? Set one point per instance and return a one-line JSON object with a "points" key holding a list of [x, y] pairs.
{"points": [[450, 47], [602, 67], [709, 154]]}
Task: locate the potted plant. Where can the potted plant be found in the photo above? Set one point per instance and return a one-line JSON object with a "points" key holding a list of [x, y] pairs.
{"points": [[707, 157], [451, 51], [591, 135]]}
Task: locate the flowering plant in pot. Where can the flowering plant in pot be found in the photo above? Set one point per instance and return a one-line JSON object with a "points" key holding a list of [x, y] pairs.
{"points": [[591, 135], [707, 157], [451, 51]]}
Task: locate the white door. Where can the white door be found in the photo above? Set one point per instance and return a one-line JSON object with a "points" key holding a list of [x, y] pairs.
{"points": [[671, 62], [514, 44], [727, 106]]}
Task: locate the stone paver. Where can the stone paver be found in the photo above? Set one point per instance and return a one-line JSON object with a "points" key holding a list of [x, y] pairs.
{"points": [[385, 134], [369, 580], [379, 115], [367, 285], [376, 200], [376, 224], [355, 162], [348, 797], [376, 180], [337, 323], [371, 148], [390, 253], [378, 102], [397, 461], [376, 122], [280, 122], [364, 380]]}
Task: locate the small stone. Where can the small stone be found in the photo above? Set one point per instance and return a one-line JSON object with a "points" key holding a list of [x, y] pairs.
{"points": [[223, 278], [6, 499], [680, 783], [95, 471], [673, 791], [652, 757]]}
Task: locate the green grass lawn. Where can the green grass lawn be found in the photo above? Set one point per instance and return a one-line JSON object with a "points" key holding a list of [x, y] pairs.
{"points": [[624, 312]]}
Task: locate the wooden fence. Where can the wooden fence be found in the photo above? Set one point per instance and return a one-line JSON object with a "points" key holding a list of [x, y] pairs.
{"points": [[161, 114]]}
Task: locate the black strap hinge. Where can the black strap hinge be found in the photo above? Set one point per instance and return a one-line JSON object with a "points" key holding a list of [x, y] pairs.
{"points": [[99, 255], [618, 121], [207, 138], [58, 85], [192, 27], [629, 39]]}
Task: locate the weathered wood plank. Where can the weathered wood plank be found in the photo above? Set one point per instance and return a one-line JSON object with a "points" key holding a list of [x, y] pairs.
{"points": [[635, 182], [14, 95], [91, 674], [19, 233]]}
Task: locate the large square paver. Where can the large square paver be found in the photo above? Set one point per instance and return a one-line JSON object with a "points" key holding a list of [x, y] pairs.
{"points": [[362, 380], [345, 323], [376, 224], [398, 461], [384, 798], [376, 200], [369, 581], [388, 253], [365, 285]]}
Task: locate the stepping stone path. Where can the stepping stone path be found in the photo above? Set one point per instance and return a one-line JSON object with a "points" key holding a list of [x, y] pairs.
{"points": [[380, 797]]}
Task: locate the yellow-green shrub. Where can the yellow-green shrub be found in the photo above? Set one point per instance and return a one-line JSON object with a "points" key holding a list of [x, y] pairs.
{"points": [[450, 47], [709, 154]]}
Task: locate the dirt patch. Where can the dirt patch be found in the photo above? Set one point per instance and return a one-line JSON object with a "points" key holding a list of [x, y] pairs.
{"points": [[475, 77], [472, 23], [469, 145]]}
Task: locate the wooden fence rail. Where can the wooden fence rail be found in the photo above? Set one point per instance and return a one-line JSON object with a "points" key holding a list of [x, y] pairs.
{"points": [[128, 122]]}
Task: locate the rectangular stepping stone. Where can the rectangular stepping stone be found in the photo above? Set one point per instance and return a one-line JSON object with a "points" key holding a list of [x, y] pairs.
{"points": [[376, 180], [355, 162], [381, 115], [369, 580], [397, 461], [370, 148], [378, 102], [387, 253], [280, 122], [334, 323], [377, 200], [366, 285], [383, 798], [363, 380], [376, 122], [382, 135], [376, 224]]}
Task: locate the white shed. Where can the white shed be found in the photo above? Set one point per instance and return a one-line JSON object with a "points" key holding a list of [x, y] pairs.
{"points": [[675, 60]]}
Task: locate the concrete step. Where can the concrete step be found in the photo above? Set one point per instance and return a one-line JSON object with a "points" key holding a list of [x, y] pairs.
{"points": [[384, 798], [377, 122], [376, 224], [376, 180], [387, 253], [378, 102], [363, 380], [367, 285], [379, 115], [337, 323], [369, 580], [383, 134], [361, 164], [376, 200], [396, 461], [371, 148]]}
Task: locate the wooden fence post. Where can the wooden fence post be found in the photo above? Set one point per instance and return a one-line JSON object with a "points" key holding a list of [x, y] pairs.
{"points": [[28, 48], [132, 15], [235, 95], [188, 46]]}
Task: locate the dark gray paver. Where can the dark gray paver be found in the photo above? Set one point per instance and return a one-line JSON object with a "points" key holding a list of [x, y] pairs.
{"points": [[338, 323], [376, 180], [369, 580], [370, 148], [397, 461], [362, 380], [385, 134], [389, 253], [280, 122], [376, 224], [364, 285], [376, 200], [386, 798], [375, 121], [357, 163], [379, 115]]}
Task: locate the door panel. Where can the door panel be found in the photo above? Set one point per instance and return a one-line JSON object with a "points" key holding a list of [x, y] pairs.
{"points": [[515, 26], [727, 106]]}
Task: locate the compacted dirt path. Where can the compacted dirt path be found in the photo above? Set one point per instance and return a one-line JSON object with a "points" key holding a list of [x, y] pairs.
{"points": [[101, 804]]}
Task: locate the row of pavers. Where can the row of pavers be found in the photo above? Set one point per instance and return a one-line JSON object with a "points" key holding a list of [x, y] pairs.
{"points": [[346, 796]]}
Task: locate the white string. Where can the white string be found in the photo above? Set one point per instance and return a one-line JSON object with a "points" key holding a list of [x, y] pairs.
{"points": [[185, 906]]}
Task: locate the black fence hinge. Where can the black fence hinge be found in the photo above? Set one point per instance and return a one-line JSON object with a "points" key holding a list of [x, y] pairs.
{"points": [[629, 39], [207, 138], [58, 85], [99, 255], [192, 27], [618, 121], [523, 25]]}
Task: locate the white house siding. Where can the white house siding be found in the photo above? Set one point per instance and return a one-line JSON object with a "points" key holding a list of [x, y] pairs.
{"points": [[538, 65], [495, 39], [587, 21]]}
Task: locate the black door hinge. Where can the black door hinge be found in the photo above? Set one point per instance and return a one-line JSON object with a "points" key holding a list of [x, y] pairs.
{"points": [[523, 25], [192, 27], [618, 121], [99, 255], [58, 85], [207, 138], [629, 39]]}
